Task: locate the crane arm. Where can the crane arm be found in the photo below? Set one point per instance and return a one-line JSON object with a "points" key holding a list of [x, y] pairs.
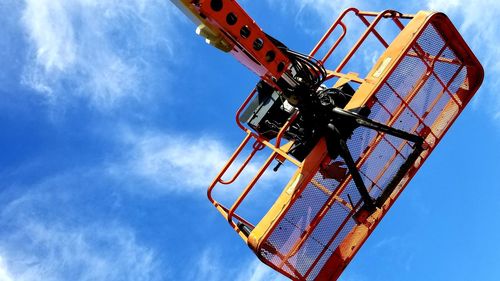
{"points": [[226, 26]]}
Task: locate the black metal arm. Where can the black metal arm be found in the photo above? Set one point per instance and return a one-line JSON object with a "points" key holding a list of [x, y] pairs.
{"points": [[336, 144]]}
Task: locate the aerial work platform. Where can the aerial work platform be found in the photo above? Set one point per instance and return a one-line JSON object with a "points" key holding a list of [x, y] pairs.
{"points": [[423, 78]]}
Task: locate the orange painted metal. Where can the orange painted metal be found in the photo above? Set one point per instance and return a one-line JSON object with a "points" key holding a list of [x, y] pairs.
{"points": [[227, 21], [420, 84]]}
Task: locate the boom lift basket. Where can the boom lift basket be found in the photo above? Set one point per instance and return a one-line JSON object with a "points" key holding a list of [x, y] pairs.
{"points": [[419, 85]]}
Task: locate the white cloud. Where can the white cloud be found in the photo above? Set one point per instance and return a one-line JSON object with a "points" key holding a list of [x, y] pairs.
{"points": [[47, 241], [258, 271], [175, 163], [185, 163], [4, 271], [92, 48], [306, 13], [53, 251], [210, 266], [325, 8]]}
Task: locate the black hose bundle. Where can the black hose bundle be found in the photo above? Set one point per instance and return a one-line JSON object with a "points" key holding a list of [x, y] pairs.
{"points": [[307, 72]]}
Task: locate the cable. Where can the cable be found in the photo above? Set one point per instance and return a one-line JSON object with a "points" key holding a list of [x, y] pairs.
{"points": [[307, 72]]}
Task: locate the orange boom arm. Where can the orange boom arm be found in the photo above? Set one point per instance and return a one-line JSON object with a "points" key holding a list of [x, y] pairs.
{"points": [[228, 27]]}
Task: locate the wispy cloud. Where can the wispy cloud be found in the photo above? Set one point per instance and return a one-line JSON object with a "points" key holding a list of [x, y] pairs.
{"points": [[303, 11], [210, 266], [95, 49], [184, 163], [257, 271], [324, 8], [4, 272], [172, 163], [44, 238], [53, 251]]}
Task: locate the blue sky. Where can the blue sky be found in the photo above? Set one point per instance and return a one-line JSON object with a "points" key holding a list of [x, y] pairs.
{"points": [[114, 118]]}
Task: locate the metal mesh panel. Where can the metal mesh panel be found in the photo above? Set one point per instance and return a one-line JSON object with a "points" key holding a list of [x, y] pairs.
{"points": [[447, 66], [359, 141], [408, 72], [430, 41], [459, 81], [371, 169], [297, 218], [419, 97]]}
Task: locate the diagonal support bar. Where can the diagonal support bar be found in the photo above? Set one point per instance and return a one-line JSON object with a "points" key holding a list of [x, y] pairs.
{"points": [[366, 122], [337, 145]]}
